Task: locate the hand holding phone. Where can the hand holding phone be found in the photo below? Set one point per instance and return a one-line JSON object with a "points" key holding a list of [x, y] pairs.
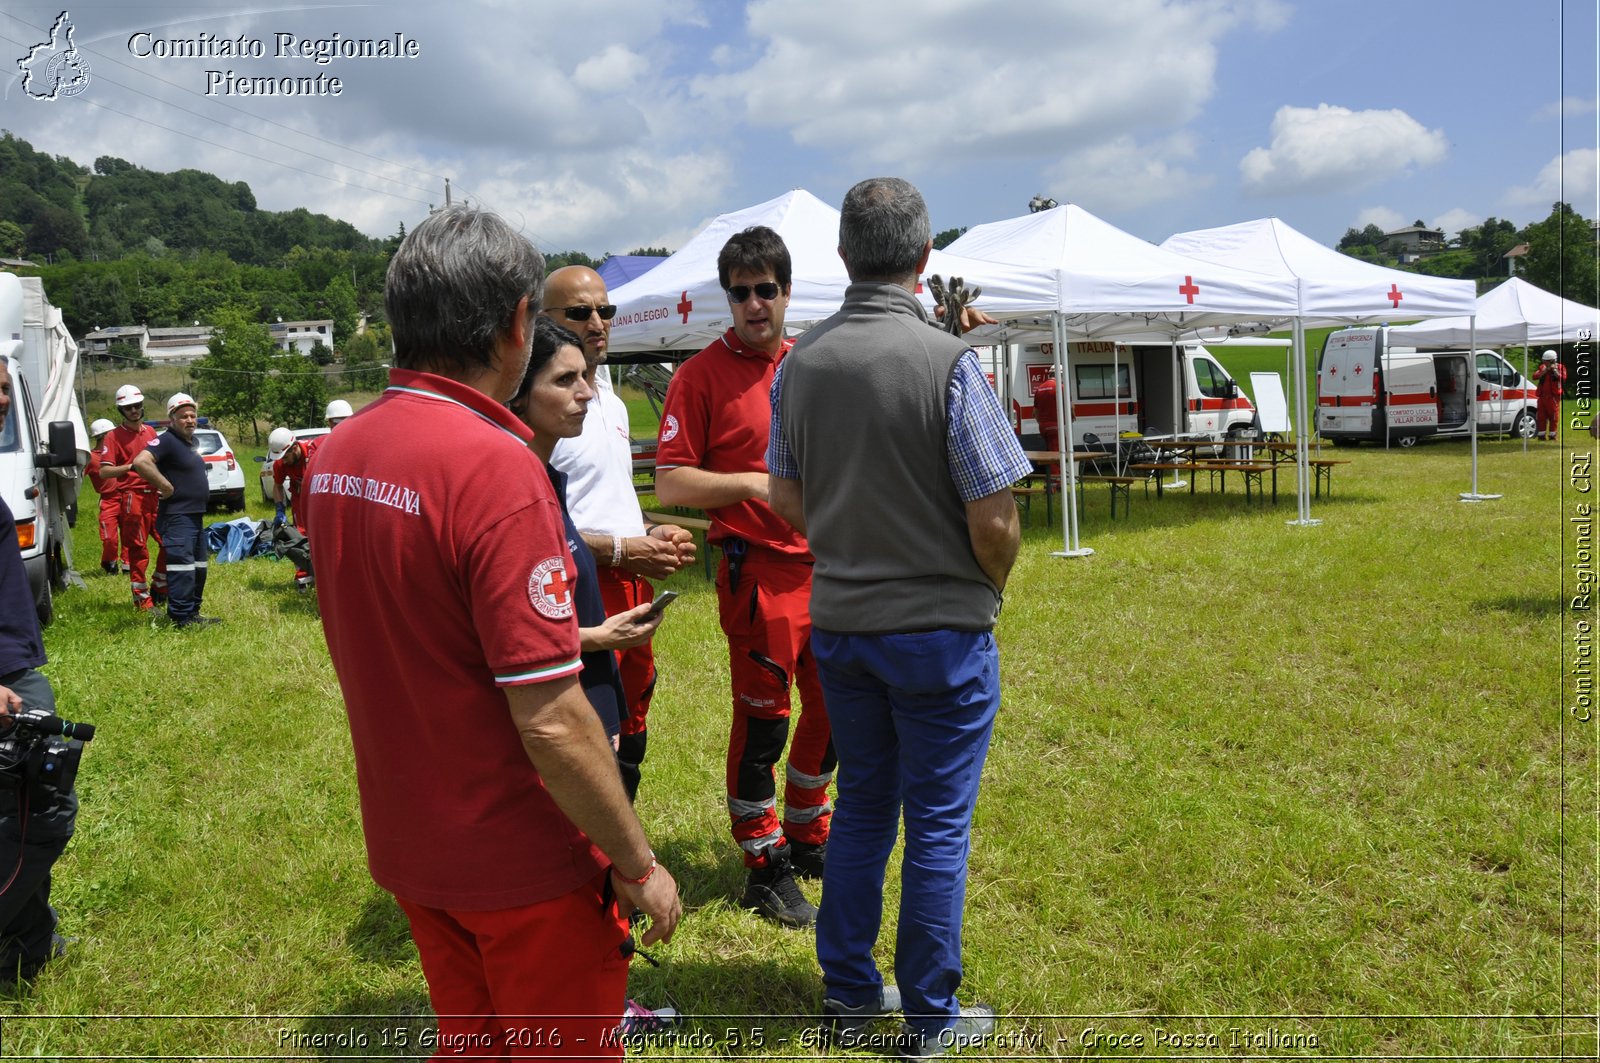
{"points": [[664, 599]]}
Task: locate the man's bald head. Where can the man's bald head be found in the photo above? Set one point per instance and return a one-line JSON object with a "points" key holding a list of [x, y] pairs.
{"points": [[580, 286]]}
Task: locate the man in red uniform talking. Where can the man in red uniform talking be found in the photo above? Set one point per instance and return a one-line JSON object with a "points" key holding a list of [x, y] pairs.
{"points": [[491, 803], [712, 453]]}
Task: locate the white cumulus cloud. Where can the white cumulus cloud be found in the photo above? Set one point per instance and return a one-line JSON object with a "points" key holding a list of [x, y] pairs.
{"points": [[1452, 221], [1384, 218], [1124, 174], [1570, 178], [1329, 148]]}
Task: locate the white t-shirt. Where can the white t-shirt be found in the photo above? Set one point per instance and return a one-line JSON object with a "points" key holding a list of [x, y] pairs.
{"points": [[599, 467]]}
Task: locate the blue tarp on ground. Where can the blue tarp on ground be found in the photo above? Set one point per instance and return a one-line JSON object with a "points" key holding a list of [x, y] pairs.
{"points": [[234, 540]]}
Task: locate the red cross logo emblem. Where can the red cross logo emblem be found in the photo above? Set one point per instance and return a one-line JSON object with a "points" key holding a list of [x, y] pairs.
{"points": [[550, 588], [1189, 289], [1358, 369], [685, 304], [1394, 295]]}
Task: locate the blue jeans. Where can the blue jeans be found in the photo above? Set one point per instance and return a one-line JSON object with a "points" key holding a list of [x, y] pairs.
{"points": [[912, 715], [183, 540]]}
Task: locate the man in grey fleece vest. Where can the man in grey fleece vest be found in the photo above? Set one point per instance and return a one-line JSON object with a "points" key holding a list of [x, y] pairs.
{"points": [[890, 451]]}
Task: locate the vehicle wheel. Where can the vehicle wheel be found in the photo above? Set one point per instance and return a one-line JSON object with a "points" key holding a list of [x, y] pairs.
{"points": [[1405, 441], [45, 604], [1341, 441], [1523, 425]]}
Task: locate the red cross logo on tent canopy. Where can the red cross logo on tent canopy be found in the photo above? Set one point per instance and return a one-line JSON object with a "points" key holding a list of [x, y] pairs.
{"points": [[685, 304], [1189, 289], [1394, 295]]}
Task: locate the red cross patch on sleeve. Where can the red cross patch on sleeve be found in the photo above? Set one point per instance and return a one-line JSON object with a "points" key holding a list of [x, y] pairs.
{"points": [[550, 588]]}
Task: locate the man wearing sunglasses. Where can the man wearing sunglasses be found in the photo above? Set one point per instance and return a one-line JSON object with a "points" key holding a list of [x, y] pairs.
{"points": [[605, 507], [712, 454], [139, 502]]}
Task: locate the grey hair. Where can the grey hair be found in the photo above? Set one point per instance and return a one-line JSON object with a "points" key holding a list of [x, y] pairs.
{"points": [[453, 288], [883, 227]]}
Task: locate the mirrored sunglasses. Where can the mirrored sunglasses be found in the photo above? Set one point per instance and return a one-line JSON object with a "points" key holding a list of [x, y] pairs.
{"points": [[581, 313], [738, 293]]}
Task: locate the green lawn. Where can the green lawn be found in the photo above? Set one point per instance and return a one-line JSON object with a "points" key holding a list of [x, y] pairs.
{"points": [[1250, 782]]}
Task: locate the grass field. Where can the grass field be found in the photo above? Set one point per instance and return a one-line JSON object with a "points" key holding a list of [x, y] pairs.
{"points": [[1278, 790]]}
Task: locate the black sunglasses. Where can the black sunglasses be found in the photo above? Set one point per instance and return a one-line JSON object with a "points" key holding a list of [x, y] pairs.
{"points": [[581, 313], [738, 293]]}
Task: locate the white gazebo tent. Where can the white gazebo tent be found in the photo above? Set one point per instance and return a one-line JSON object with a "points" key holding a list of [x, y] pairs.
{"points": [[1333, 289], [1512, 314], [1100, 282]]}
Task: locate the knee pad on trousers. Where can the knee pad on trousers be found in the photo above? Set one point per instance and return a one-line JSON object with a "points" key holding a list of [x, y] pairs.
{"points": [[763, 746]]}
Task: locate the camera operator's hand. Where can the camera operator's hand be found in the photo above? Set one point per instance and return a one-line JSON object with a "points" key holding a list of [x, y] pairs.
{"points": [[10, 701], [657, 898]]}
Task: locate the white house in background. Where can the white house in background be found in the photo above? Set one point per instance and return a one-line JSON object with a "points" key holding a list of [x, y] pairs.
{"points": [[301, 336], [188, 343], [98, 343]]}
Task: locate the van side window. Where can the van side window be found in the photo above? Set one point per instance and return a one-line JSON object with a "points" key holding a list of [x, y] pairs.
{"points": [[1212, 384], [1094, 381], [1492, 369]]}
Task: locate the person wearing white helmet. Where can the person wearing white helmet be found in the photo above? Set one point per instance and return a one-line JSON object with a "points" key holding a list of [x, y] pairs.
{"points": [[113, 555], [137, 499], [1549, 380], [173, 465], [337, 411], [291, 458]]}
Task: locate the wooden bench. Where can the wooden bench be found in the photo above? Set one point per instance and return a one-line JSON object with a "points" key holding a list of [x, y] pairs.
{"points": [[1023, 493], [1322, 468], [1122, 485], [1250, 470]]}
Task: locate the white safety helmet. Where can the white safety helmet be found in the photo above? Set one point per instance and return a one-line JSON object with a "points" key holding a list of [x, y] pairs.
{"points": [[180, 399], [337, 411], [278, 441], [100, 427], [128, 395], [1549, 356]]}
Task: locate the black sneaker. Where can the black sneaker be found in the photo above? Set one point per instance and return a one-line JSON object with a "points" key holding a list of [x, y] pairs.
{"points": [[808, 859], [973, 1026], [843, 1024], [110, 568], [198, 621], [772, 891]]}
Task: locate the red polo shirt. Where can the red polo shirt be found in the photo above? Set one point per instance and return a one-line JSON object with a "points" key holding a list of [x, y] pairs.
{"points": [[717, 417], [442, 574]]}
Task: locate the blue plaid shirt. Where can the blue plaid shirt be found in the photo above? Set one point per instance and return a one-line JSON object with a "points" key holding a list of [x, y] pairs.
{"points": [[984, 453]]}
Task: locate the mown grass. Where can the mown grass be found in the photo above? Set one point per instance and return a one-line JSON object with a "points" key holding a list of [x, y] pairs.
{"points": [[1249, 781]]}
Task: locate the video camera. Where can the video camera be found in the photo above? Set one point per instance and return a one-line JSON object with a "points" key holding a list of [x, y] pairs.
{"points": [[40, 749]]}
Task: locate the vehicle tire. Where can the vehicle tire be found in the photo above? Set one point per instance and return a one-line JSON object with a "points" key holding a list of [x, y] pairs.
{"points": [[45, 604], [1341, 441], [1523, 425], [1406, 442]]}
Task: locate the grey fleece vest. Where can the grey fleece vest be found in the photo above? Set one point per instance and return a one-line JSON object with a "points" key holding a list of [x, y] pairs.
{"points": [[864, 411]]}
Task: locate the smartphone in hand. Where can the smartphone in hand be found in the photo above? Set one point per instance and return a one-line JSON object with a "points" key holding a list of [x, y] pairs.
{"points": [[664, 599]]}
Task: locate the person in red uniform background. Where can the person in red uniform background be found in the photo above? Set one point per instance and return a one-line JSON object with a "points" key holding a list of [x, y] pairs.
{"points": [[712, 454], [113, 555], [138, 499], [289, 471], [491, 803], [1549, 380]]}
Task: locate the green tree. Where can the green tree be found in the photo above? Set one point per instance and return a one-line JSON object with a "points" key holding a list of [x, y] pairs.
{"points": [[554, 260], [12, 239], [321, 354], [651, 252], [948, 237], [235, 372], [296, 392], [1561, 255], [364, 358], [339, 303]]}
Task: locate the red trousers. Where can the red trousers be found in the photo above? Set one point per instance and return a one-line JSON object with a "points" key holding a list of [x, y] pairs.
{"points": [[138, 525], [1547, 414], [111, 548], [541, 981], [766, 616], [621, 590]]}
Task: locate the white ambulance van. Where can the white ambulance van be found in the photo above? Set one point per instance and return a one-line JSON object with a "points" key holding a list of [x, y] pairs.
{"points": [[1368, 390], [1131, 388]]}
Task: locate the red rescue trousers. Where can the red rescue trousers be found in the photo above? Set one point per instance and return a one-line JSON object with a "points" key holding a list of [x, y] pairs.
{"points": [[111, 548], [138, 525], [1547, 413], [547, 980], [765, 612]]}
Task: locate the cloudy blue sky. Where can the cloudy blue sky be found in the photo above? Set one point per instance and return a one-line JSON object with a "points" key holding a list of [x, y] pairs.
{"points": [[609, 124]]}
